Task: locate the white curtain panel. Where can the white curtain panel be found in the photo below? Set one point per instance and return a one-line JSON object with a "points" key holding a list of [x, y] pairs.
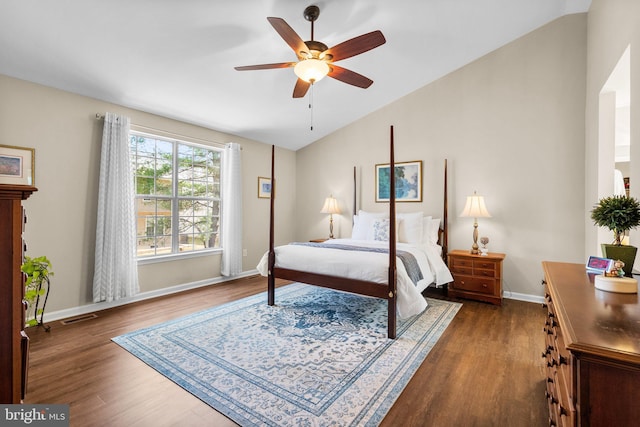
{"points": [[231, 234], [116, 272]]}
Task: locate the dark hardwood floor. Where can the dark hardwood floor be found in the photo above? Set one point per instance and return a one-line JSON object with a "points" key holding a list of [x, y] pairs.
{"points": [[486, 369]]}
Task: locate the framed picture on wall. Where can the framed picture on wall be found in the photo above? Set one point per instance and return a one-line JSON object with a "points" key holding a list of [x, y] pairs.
{"points": [[264, 187], [17, 165], [408, 182]]}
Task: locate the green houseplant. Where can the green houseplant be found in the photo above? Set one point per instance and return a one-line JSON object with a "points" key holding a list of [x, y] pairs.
{"points": [[37, 271], [619, 214]]}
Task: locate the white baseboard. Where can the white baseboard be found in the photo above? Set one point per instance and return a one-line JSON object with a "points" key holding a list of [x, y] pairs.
{"points": [[90, 308], [523, 297]]}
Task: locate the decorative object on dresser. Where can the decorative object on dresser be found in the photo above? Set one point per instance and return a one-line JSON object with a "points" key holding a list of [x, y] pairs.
{"points": [[484, 241], [13, 340], [592, 350], [619, 214], [17, 165], [330, 207], [475, 208], [475, 276]]}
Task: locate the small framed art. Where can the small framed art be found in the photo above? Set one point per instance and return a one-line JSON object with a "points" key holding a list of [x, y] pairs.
{"points": [[17, 165], [264, 187], [408, 182], [598, 265]]}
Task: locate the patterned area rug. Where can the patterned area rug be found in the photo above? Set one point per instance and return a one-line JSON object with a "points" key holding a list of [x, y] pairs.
{"points": [[317, 358]]}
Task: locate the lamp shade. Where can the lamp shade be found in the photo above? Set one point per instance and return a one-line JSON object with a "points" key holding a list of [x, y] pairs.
{"points": [[475, 207], [330, 206], [311, 70]]}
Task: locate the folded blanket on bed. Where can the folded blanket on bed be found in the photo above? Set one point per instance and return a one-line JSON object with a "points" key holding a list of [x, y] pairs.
{"points": [[407, 258]]}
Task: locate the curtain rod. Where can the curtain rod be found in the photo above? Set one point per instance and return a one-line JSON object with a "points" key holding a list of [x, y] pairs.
{"points": [[166, 133]]}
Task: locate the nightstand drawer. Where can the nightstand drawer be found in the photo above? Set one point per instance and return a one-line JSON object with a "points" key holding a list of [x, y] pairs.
{"points": [[474, 284], [461, 269], [484, 265], [461, 263]]}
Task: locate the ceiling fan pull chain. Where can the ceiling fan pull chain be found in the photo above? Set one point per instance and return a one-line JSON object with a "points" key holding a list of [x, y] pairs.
{"points": [[311, 105]]}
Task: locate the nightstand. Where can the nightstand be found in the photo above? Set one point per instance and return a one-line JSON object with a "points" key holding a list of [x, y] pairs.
{"points": [[476, 277], [318, 240]]}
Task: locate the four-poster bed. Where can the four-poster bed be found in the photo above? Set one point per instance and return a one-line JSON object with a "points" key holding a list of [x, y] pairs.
{"points": [[416, 270]]}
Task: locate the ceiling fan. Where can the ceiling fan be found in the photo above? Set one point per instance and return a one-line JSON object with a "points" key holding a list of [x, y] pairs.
{"points": [[315, 59]]}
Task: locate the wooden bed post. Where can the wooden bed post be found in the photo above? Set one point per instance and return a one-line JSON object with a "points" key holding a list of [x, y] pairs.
{"points": [[271, 280], [392, 301], [445, 219], [355, 192]]}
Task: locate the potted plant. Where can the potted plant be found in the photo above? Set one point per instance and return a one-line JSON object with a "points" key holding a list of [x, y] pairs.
{"points": [[619, 214], [37, 272]]}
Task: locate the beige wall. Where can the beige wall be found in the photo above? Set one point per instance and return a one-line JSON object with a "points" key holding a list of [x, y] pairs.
{"points": [[613, 26], [511, 125], [62, 214]]}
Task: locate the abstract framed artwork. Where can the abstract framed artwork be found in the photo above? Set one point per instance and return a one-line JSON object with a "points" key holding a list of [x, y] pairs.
{"points": [[408, 182], [264, 187], [17, 165]]}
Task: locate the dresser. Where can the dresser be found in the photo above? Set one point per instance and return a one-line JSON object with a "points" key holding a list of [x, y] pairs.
{"points": [[13, 340], [475, 276], [592, 350]]}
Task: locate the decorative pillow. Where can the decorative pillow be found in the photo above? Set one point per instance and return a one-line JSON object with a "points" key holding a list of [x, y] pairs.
{"points": [[410, 229], [364, 229], [381, 229]]}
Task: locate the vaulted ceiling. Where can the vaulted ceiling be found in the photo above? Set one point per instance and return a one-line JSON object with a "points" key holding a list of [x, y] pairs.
{"points": [[177, 58]]}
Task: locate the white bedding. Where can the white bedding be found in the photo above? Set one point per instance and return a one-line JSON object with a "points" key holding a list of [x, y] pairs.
{"points": [[369, 266]]}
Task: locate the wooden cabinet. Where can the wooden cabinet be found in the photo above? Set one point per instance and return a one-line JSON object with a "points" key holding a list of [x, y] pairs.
{"points": [[475, 276], [592, 350], [12, 357]]}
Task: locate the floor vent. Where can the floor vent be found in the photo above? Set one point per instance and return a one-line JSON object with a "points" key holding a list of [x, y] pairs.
{"points": [[77, 319]]}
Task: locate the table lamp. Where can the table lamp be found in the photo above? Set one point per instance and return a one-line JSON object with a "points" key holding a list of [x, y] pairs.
{"points": [[330, 207], [475, 208]]}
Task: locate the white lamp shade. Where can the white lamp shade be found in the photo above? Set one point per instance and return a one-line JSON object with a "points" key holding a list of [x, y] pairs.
{"points": [[330, 206], [311, 70], [475, 207]]}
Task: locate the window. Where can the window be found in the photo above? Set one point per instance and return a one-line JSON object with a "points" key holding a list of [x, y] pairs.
{"points": [[177, 195]]}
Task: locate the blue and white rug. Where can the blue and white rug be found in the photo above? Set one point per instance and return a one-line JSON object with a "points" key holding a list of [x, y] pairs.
{"points": [[317, 358]]}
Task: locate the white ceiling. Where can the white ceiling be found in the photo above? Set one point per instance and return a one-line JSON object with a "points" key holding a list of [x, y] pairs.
{"points": [[176, 58]]}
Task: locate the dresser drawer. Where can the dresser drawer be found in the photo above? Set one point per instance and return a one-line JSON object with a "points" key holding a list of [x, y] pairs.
{"points": [[474, 284]]}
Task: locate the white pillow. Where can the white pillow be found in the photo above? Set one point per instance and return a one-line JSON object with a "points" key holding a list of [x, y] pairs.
{"points": [[426, 229], [434, 231], [411, 228], [363, 227], [358, 232]]}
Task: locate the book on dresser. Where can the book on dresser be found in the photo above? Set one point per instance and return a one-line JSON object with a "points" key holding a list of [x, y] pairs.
{"points": [[592, 350]]}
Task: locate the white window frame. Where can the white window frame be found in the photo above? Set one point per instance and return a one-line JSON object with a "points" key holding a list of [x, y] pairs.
{"points": [[175, 198]]}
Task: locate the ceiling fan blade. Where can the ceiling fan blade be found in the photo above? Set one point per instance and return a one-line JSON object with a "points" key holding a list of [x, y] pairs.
{"points": [[301, 88], [266, 66], [356, 45], [289, 35], [349, 77]]}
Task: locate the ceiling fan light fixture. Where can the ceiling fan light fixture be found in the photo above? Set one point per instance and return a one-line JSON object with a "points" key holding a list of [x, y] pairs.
{"points": [[311, 70]]}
